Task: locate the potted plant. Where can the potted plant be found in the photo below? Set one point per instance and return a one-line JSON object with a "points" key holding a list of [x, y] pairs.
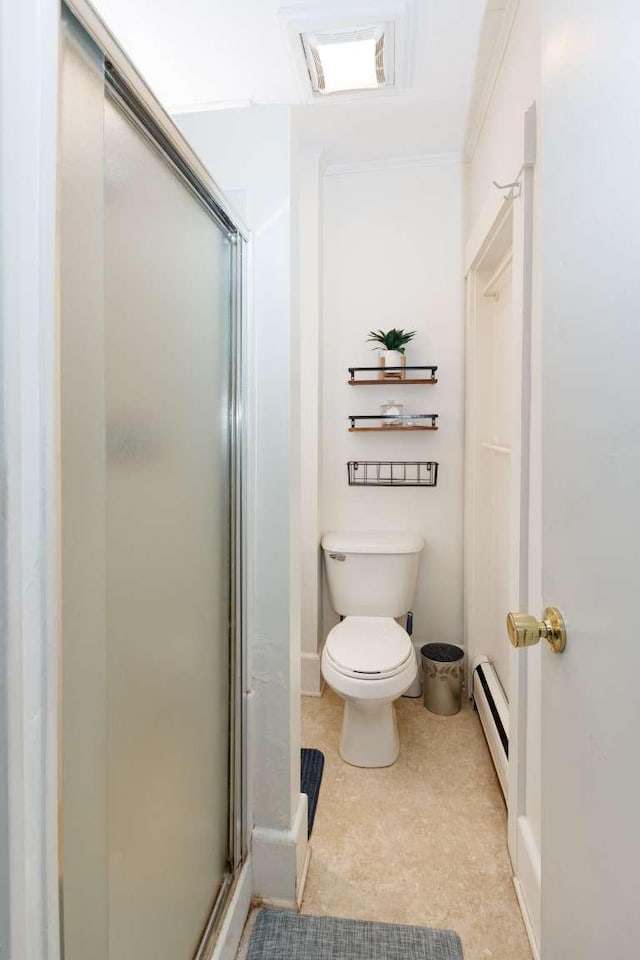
{"points": [[393, 343]]}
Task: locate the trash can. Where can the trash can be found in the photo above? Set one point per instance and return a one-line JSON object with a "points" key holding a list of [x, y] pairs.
{"points": [[442, 675]]}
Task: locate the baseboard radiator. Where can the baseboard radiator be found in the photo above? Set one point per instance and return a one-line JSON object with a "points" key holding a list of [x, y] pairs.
{"points": [[493, 710]]}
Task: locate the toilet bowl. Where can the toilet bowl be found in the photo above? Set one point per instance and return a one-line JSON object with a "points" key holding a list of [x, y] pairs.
{"points": [[368, 659], [369, 662]]}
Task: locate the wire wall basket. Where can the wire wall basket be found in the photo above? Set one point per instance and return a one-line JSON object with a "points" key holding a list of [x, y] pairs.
{"points": [[392, 473]]}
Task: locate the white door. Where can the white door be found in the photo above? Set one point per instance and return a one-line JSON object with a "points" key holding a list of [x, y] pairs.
{"points": [[591, 478]]}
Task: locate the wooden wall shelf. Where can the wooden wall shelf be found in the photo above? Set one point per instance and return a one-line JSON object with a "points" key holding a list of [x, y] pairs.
{"points": [[354, 381], [387, 383], [388, 429], [405, 423]]}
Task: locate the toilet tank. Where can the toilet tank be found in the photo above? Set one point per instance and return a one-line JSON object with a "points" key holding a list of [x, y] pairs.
{"points": [[371, 574]]}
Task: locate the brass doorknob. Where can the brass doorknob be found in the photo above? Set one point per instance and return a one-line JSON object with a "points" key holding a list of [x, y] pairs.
{"points": [[524, 630]]}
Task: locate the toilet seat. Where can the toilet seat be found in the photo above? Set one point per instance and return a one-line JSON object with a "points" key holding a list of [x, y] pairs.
{"points": [[369, 648]]}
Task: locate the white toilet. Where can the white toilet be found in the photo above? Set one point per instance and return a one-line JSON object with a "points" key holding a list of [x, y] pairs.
{"points": [[368, 658]]}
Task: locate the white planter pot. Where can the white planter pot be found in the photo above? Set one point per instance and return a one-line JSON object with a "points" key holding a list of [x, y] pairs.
{"points": [[391, 358]]}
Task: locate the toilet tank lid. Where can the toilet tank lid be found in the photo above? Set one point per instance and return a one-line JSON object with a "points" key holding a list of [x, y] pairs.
{"points": [[356, 542]]}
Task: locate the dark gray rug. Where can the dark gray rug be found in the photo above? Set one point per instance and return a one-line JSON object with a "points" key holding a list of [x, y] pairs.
{"points": [[311, 768], [281, 935]]}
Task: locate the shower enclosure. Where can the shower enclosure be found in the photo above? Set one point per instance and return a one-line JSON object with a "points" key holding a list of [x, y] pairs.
{"points": [[151, 831]]}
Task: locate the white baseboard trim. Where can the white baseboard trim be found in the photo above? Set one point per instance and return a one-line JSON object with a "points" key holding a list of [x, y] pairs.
{"points": [[280, 861], [286, 904], [535, 950], [301, 832], [303, 877], [311, 681], [235, 917]]}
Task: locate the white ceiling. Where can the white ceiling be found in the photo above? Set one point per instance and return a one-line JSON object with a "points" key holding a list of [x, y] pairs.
{"points": [[199, 53]]}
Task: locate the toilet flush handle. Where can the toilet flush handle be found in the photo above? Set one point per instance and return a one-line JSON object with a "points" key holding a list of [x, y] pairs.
{"points": [[337, 556]]}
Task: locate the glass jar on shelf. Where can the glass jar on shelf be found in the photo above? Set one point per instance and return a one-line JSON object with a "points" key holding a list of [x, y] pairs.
{"points": [[391, 412]]}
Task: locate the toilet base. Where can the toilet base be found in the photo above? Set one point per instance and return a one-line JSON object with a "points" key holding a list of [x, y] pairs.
{"points": [[369, 735]]}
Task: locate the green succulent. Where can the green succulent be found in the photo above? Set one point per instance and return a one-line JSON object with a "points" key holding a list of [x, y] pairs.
{"points": [[392, 339]]}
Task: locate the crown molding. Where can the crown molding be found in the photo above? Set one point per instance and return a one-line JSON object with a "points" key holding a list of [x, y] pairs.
{"points": [[484, 94], [394, 163]]}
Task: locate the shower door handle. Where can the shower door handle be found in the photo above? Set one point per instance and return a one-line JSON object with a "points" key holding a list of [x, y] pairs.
{"points": [[525, 631]]}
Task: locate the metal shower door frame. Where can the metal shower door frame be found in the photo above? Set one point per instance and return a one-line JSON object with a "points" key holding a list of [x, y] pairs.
{"points": [[125, 85]]}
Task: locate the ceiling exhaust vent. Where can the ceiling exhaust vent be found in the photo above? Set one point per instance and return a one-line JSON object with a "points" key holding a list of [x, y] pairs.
{"points": [[361, 58]]}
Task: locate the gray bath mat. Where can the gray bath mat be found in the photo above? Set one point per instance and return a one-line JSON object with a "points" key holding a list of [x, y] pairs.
{"points": [[281, 935]]}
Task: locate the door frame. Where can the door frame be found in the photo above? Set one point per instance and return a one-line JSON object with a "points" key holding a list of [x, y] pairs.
{"points": [[512, 212], [29, 535]]}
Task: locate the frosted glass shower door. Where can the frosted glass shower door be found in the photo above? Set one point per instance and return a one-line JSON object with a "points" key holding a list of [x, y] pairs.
{"points": [[147, 493], [167, 362]]}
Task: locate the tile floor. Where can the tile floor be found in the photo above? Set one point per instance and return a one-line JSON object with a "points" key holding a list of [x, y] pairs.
{"points": [[423, 841]]}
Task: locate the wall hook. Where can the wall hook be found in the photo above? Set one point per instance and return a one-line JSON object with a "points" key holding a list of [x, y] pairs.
{"points": [[509, 186]]}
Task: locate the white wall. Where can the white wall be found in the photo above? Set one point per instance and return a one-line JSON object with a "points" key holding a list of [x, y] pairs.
{"points": [[307, 207], [248, 153], [393, 258], [498, 155]]}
